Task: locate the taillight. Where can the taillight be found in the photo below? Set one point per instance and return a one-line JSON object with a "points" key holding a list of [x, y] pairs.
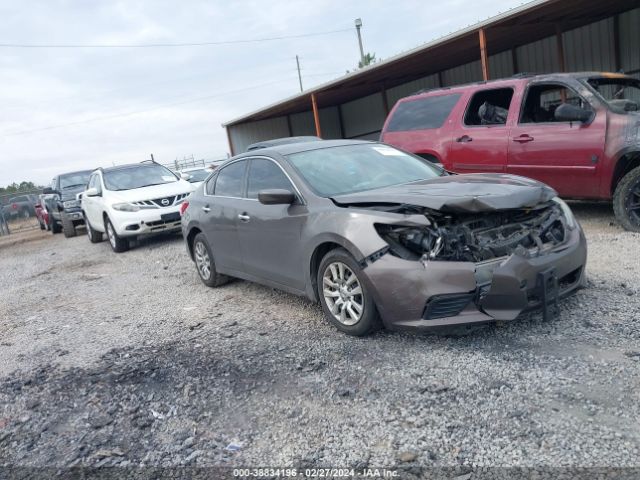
{"points": [[183, 207]]}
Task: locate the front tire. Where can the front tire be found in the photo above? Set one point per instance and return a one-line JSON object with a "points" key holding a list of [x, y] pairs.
{"points": [[205, 265], [55, 226], [68, 228], [344, 297], [94, 235], [626, 201], [118, 244]]}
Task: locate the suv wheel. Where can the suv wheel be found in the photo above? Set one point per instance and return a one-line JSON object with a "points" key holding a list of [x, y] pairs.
{"points": [[55, 226], [345, 300], [205, 265], [68, 228], [626, 201], [94, 235], [118, 244]]}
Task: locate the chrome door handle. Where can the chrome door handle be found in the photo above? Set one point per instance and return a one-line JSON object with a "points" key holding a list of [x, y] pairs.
{"points": [[244, 217], [206, 209]]}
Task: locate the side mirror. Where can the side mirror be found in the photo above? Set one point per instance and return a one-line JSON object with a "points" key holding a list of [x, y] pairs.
{"points": [[49, 191], [276, 197], [570, 113], [91, 192]]}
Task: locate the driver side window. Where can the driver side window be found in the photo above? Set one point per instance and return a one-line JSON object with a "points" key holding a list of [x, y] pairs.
{"points": [[542, 100], [265, 174]]}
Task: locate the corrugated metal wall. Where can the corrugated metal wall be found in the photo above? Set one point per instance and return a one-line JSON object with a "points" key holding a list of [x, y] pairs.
{"points": [[586, 48]]}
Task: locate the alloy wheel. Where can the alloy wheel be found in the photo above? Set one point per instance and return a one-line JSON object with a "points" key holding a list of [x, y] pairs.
{"points": [[111, 234], [203, 261], [633, 203], [343, 293]]}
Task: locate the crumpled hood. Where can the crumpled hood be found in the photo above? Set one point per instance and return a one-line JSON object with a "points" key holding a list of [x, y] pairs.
{"points": [[476, 192]]}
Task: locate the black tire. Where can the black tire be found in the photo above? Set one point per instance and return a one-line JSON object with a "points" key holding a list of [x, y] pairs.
{"points": [[626, 201], [118, 244], [68, 228], [93, 235], [205, 265], [42, 225], [55, 226], [369, 319]]}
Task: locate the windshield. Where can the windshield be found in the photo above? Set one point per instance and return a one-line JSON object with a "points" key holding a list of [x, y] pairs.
{"points": [[77, 179], [355, 168], [198, 175], [617, 91], [137, 176]]}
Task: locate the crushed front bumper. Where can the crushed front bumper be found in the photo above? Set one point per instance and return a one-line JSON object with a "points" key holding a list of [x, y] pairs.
{"points": [[416, 295]]}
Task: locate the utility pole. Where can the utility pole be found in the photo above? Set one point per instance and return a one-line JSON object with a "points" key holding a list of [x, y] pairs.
{"points": [[358, 27], [299, 75]]}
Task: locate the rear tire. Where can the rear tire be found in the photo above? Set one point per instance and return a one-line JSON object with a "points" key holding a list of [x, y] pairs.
{"points": [[94, 235], [205, 265], [626, 201], [68, 228], [344, 297], [118, 244]]}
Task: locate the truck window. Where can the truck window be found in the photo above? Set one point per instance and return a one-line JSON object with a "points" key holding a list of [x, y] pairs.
{"points": [[489, 107], [542, 100], [423, 113]]}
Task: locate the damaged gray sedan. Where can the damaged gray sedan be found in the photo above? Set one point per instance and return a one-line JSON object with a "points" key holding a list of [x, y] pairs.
{"points": [[382, 237]]}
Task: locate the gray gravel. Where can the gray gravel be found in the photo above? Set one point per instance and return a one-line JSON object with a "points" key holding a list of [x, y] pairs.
{"points": [[128, 359]]}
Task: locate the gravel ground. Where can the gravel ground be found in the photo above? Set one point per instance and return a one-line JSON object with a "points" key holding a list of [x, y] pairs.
{"points": [[128, 359]]}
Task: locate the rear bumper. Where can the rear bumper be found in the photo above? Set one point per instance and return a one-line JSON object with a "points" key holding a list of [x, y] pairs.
{"points": [[416, 295]]}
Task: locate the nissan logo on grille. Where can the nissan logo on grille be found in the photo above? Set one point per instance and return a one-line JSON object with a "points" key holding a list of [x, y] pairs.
{"points": [[165, 202]]}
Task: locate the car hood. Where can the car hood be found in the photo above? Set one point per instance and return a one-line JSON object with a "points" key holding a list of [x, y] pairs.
{"points": [[153, 192], [70, 193], [459, 193]]}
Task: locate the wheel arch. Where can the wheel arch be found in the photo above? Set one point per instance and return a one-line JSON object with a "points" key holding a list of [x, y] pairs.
{"points": [[191, 235], [627, 161]]}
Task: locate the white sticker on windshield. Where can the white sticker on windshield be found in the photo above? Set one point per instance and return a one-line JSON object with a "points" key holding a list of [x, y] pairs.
{"points": [[167, 178], [388, 151]]}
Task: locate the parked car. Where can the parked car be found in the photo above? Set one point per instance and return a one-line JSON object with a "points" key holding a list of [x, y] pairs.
{"points": [[379, 235], [42, 214], [64, 210], [132, 200], [20, 206], [195, 176], [578, 133]]}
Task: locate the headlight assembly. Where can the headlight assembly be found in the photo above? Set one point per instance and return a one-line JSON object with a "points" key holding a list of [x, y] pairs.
{"points": [[71, 204], [566, 211], [125, 207]]}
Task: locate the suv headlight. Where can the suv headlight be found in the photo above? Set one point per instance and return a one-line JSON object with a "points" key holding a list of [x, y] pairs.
{"points": [[125, 207], [71, 203], [566, 211]]}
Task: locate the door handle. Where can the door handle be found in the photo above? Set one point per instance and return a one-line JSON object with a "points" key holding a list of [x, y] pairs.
{"points": [[523, 138], [206, 209], [464, 139], [244, 217]]}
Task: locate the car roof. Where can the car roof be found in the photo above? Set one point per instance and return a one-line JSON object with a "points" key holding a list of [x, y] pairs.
{"points": [[520, 77], [291, 148], [129, 165], [281, 141], [73, 173]]}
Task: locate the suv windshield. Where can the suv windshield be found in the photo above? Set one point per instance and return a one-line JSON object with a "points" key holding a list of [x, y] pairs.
{"points": [[137, 176], [355, 168], [622, 93], [77, 179]]}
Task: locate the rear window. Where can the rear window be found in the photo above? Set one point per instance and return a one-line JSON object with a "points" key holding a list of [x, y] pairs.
{"points": [[422, 114]]}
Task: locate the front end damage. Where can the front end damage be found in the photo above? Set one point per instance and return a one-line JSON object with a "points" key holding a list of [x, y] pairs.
{"points": [[466, 267]]}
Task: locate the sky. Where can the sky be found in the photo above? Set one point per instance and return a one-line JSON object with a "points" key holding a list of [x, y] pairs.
{"points": [[64, 109]]}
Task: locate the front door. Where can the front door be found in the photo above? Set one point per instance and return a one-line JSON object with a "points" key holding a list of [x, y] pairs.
{"points": [[564, 155], [270, 234], [92, 206], [480, 140]]}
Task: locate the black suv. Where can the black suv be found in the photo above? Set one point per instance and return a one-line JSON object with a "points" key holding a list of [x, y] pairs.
{"points": [[62, 204]]}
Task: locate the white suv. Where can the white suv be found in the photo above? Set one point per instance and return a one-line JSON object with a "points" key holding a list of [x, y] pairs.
{"points": [[131, 200]]}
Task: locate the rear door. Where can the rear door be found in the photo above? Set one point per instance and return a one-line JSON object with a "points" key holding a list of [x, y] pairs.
{"points": [[270, 234], [481, 135], [219, 214], [564, 155]]}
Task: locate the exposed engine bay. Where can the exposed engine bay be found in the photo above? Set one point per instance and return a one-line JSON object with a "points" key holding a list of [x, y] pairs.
{"points": [[476, 237]]}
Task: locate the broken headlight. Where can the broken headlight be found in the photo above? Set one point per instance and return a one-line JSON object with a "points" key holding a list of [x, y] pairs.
{"points": [[566, 211], [410, 243]]}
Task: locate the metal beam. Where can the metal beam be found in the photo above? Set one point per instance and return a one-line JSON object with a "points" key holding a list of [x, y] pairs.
{"points": [[560, 46], [231, 149], [616, 43], [316, 115], [483, 54]]}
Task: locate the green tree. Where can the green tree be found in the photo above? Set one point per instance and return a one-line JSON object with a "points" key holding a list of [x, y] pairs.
{"points": [[369, 59]]}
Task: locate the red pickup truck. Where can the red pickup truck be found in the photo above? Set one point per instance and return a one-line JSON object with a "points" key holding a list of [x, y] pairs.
{"points": [[578, 132]]}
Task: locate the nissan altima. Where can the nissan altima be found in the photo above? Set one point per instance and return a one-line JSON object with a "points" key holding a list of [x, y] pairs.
{"points": [[381, 237]]}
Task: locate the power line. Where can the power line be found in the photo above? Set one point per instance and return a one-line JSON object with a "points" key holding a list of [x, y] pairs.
{"points": [[156, 45]]}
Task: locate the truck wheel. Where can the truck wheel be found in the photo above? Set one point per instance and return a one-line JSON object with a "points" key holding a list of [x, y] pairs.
{"points": [[55, 226], [67, 227], [626, 201], [118, 244]]}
